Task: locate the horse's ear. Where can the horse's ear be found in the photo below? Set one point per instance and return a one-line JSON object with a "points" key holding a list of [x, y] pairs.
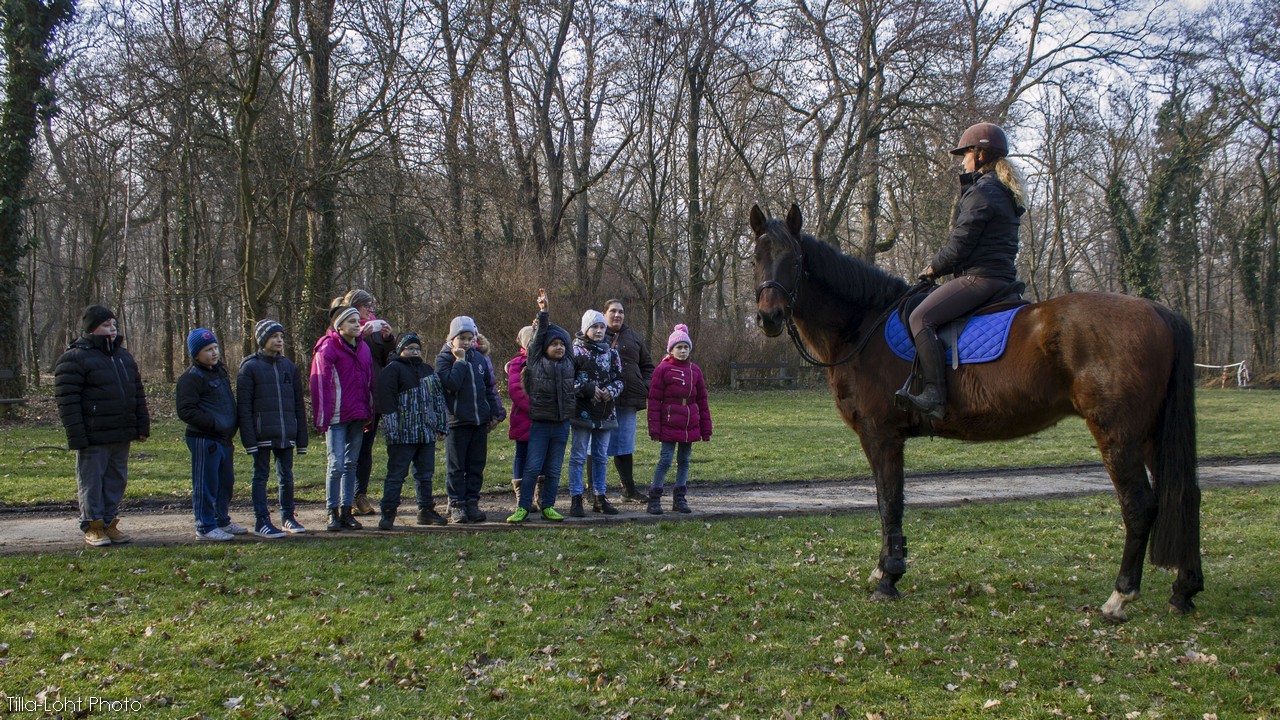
{"points": [[758, 220], [794, 221]]}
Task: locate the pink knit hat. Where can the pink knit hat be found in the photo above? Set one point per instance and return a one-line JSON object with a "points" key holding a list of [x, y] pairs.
{"points": [[680, 335]]}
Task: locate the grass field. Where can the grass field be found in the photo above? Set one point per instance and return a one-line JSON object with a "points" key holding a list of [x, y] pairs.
{"points": [[749, 618], [759, 437]]}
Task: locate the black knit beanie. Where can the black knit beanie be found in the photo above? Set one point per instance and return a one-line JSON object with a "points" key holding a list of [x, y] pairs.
{"points": [[93, 316]]}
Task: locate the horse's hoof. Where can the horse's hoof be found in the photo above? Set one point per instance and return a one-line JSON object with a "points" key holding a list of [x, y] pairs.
{"points": [[1181, 605], [882, 596], [1113, 609]]}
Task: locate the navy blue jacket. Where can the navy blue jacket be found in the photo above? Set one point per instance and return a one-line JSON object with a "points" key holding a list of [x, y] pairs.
{"points": [[206, 404], [99, 393], [269, 403], [984, 232], [470, 390]]}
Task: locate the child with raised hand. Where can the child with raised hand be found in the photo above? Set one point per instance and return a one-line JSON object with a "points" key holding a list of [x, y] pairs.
{"points": [[678, 417], [549, 380], [597, 382], [273, 424], [411, 401]]}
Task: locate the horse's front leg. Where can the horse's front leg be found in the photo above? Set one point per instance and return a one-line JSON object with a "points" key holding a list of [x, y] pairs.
{"points": [[885, 457]]}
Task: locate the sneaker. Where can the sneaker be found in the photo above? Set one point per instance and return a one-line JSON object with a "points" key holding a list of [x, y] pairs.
{"points": [[115, 534], [457, 514], [518, 516], [96, 535], [429, 516], [292, 526], [234, 529], [216, 534], [551, 514], [267, 530], [474, 513]]}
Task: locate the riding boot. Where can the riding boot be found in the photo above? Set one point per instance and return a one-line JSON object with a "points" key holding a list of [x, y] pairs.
{"points": [[624, 464], [932, 400]]}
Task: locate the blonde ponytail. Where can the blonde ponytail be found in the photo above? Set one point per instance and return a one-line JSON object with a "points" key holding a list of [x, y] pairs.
{"points": [[1012, 179]]}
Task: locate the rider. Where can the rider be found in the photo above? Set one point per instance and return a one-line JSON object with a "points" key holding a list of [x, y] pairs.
{"points": [[980, 252]]}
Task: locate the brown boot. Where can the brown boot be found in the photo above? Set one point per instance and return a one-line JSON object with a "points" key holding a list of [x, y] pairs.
{"points": [[115, 533], [515, 488], [96, 535], [363, 507]]}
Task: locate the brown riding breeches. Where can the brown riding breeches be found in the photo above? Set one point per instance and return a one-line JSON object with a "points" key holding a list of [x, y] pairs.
{"points": [[952, 300]]}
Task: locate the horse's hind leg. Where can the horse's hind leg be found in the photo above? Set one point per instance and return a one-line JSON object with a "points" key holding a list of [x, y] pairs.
{"points": [[1138, 507]]}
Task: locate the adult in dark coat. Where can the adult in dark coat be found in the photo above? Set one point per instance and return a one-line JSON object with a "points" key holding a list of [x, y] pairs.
{"points": [[103, 409], [377, 334], [980, 253], [637, 369]]}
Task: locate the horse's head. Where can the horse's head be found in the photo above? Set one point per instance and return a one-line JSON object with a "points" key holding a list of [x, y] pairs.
{"points": [[778, 262]]}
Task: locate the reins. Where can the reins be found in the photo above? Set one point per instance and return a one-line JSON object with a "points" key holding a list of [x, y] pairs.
{"points": [[794, 332]]}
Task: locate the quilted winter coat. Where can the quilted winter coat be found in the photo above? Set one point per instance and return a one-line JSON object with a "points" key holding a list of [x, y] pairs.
{"points": [[678, 410]]}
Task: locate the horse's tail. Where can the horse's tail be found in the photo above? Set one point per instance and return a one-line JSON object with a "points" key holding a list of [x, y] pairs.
{"points": [[1175, 539]]}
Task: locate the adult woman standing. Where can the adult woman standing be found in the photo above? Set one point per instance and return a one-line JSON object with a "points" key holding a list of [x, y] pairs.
{"points": [[980, 253], [637, 369]]}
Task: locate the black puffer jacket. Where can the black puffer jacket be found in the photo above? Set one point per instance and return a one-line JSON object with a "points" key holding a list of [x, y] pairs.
{"points": [[984, 232], [637, 366], [206, 404], [549, 383], [99, 393], [269, 403]]}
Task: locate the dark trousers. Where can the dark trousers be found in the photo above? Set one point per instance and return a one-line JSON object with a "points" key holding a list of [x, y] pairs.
{"points": [[545, 457], [952, 300], [364, 466], [212, 476], [467, 451], [284, 473], [101, 474], [399, 457]]}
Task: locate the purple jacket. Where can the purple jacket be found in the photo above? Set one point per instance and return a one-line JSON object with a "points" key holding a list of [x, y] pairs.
{"points": [[678, 410], [341, 382], [519, 417]]}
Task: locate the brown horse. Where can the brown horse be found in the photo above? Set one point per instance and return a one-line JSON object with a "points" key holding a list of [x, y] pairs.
{"points": [[1123, 364]]}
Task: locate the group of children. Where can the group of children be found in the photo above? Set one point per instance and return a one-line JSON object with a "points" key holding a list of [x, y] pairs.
{"points": [[563, 392]]}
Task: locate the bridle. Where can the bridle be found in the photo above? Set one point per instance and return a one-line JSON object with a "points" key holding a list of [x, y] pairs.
{"points": [[794, 333]]}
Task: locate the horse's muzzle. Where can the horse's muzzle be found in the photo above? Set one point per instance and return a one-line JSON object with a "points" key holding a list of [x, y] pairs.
{"points": [[771, 322]]}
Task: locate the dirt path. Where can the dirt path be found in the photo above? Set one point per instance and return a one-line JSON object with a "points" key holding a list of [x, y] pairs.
{"points": [[44, 531]]}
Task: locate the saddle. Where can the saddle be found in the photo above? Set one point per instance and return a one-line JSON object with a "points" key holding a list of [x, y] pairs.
{"points": [[983, 343]]}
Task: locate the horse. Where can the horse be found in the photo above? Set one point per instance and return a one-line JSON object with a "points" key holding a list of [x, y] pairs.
{"points": [[1124, 364]]}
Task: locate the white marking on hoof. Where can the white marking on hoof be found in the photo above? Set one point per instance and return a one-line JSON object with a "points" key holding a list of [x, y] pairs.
{"points": [[1113, 608], [876, 575]]}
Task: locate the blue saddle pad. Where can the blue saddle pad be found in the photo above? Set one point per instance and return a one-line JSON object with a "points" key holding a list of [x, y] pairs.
{"points": [[982, 340]]}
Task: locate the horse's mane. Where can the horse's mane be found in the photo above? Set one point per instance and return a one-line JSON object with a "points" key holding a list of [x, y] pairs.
{"points": [[851, 280]]}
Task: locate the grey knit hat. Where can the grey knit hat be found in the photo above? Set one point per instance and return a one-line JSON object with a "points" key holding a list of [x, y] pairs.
{"points": [[357, 297], [265, 329], [462, 324]]}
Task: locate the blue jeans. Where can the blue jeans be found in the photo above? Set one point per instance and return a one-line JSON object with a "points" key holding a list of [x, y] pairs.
{"points": [[101, 474], [545, 457], [399, 456], [284, 473], [682, 456], [595, 442], [212, 475], [517, 463], [344, 441]]}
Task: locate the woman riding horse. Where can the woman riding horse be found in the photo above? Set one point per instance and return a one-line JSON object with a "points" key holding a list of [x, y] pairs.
{"points": [[980, 252]]}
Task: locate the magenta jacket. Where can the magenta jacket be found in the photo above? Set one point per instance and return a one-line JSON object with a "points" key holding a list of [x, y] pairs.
{"points": [[519, 417], [341, 382], [678, 410]]}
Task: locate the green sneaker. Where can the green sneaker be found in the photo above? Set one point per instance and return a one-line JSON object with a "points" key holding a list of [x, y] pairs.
{"points": [[518, 516], [551, 514]]}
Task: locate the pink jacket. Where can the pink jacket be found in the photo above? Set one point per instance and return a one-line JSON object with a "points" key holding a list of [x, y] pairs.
{"points": [[678, 410], [519, 417], [341, 382]]}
